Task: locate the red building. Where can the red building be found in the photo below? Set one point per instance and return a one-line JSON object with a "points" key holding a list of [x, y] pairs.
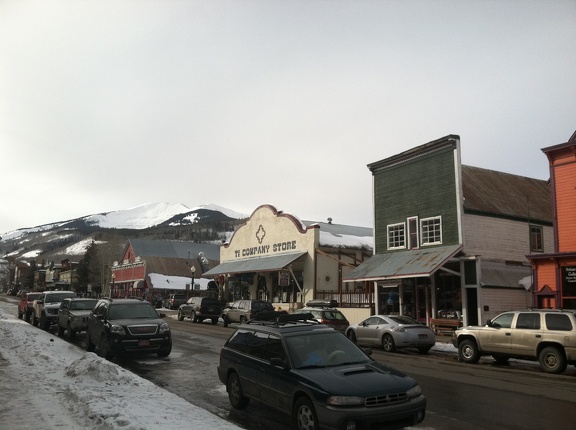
{"points": [[555, 273]]}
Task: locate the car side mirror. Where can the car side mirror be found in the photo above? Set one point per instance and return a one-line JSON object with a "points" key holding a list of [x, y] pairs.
{"points": [[278, 362], [162, 315], [489, 323]]}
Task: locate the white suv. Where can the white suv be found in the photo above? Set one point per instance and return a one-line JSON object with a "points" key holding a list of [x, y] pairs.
{"points": [[546, 335]]}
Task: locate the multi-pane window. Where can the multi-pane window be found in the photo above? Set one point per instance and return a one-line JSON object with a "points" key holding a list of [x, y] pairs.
{"points": [[397, 236], [431, 231], [536, 240]]}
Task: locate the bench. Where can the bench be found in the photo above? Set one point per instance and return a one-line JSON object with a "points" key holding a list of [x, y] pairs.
{"points": [[444, 325]]}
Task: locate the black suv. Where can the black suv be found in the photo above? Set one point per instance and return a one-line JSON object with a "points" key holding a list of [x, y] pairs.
{"points": [[119, 326], [316, 375], [243, 310], [200, 308]]}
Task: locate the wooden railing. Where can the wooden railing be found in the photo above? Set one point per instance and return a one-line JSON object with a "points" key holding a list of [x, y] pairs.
{"points": [[347, 299]]}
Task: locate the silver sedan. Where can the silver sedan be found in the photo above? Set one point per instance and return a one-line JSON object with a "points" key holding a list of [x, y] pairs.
{"points": [[392, 332]]}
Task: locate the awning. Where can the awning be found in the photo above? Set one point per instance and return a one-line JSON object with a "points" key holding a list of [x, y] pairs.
{"points": [[403, 264], [259, 264], [494, 274]]}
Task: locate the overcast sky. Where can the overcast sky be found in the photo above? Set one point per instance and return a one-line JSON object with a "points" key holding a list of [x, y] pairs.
{"points": [[107, 105]]}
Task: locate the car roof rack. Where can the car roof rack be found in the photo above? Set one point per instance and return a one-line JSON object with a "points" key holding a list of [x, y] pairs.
{"points": [[281, 318], [320, 303]]}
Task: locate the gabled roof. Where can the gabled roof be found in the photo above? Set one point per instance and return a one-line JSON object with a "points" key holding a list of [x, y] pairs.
{"points": [[494, 193]]}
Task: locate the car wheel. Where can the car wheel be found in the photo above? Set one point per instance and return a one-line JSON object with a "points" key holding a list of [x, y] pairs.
{"points": [[71, 334], [193, 317], [43, 323], [226, 321], [27, 317], [552, 360], [304, 415], [424, 349], [34, 320], [105, 351], [214, 321], [60, 331], [89, 345], [388, 344], [351, 335], [242, 319], [180, 316], [164, 352], [237, 399], [20, 315], [468, 351]]}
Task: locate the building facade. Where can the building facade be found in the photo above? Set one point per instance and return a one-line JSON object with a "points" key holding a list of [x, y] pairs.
{"points": [[277, 257], [160, 267], [555, 272], [451, 240]]}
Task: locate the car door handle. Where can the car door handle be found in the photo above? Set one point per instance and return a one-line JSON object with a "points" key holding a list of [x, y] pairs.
{"points": [[538, 336], [508, 334]]}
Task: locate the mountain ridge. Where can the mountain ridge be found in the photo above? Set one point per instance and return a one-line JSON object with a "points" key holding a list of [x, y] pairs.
{"points": [[59, 240]]}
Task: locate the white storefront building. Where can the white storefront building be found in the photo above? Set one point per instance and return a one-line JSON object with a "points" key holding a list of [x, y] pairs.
{"points": [[277, 257]]}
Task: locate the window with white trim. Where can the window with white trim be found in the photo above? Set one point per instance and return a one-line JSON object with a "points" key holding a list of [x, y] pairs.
{"points": [[431, 230], [397, 236]]}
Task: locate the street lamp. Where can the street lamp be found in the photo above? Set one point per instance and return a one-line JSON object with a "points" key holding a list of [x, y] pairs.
{"points": [[113, 285], [193, 270]]}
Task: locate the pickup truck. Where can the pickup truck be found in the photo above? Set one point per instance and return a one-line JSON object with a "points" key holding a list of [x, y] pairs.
{"points": [[73, 316], [45, 308]]}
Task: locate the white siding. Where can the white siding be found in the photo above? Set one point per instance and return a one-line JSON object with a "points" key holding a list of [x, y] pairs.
{"points": [[503, 299], [501, 239]]}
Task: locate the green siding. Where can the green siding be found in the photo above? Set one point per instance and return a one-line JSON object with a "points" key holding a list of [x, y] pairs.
{"points": [[424, 186]]}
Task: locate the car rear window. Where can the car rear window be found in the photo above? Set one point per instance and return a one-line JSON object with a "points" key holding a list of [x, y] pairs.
{"points": [[210, 302], [262, 306], [558, 322]]}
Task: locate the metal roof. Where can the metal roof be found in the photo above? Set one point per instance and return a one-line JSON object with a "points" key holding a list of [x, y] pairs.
{"points": [[404, 264], [496, 274], [261, 264], [502, 194], [174, 249]]}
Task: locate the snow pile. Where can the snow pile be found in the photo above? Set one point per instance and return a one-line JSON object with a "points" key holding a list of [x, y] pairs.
{"points": [[50, 383]]}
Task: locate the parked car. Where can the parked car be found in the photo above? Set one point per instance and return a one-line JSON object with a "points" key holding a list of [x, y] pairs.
{"points": [[316, 376], [119, 326], [174, 301], [325, 311], [241, 311], [546, 335], [45, 308], [392, 332], [73, 316], [200, 308], [25, 305]]}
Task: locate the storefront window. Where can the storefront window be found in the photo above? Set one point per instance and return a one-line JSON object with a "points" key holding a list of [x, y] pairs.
{"points": [[448, 297]]}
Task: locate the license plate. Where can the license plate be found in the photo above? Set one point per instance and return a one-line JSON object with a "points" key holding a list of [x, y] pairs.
{"points": [[144, 342]]}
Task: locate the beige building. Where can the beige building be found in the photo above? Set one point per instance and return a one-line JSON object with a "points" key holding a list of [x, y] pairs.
{"points": [[276, 257]]}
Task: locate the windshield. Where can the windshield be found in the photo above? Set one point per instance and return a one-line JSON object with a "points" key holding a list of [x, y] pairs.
{"points": [[323, 349], [403, 319], [130, 311], [58, 297], [83, 305]]}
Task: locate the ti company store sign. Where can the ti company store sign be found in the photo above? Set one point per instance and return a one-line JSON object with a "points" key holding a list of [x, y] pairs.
{"points": [[261, 249]]}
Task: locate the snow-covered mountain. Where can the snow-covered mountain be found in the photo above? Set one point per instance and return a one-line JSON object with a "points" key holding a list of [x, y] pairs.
{"points": [[63, 239]]}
